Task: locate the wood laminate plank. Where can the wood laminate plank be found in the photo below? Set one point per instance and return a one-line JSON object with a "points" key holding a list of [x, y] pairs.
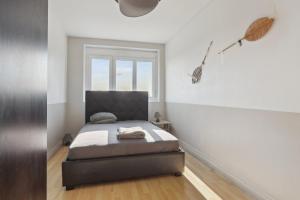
{"points": [[219, 184]]}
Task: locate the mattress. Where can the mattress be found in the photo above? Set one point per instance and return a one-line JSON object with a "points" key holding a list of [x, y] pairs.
{"points": [[100, 141]]}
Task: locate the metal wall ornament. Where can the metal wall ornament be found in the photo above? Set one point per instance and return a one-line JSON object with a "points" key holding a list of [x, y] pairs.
{"points": [[257, 30], [197, 74]]}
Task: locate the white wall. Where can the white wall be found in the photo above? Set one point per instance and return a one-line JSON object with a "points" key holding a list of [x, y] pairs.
{"points": [[57, 62], [262, 75], [76, 106], [57, 71]]}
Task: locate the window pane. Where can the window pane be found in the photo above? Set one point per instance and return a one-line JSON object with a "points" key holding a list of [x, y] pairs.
{"points": [[100, 74], [144, 76], [124, 71]]}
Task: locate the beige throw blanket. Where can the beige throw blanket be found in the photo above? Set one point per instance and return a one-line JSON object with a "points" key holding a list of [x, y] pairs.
{"points": [[131, 133]]}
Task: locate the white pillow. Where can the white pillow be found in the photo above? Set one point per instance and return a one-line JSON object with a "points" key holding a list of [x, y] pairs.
{"points": [[103, 118]]}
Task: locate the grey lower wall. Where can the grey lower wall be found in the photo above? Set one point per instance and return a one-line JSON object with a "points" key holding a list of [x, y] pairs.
{"points": [[259, 150], [55, 127]]}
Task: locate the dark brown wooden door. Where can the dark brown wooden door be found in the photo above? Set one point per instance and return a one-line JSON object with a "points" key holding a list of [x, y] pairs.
{"points": [[23, 99]]}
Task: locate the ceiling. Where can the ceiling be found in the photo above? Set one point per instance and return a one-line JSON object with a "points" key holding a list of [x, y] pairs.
{"points": [[102, 19]]}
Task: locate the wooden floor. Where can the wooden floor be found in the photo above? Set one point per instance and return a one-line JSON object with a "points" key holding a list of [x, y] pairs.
{"points": [[157, 188], [225, 189]]}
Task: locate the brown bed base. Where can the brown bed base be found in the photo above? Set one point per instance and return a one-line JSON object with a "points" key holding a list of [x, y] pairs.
{"points": [[92, 171]]}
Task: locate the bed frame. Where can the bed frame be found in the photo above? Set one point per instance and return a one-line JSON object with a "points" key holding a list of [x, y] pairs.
{"points": [[126, 106]]}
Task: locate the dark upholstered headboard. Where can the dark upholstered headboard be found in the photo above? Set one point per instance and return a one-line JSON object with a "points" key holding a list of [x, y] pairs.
{"points": [[125, 105]]}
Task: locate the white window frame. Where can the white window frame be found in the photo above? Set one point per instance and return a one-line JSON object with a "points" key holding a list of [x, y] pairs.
{"points": [[112, 70]]}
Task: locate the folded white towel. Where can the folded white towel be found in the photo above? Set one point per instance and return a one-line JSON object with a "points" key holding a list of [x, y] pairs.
{"points": [[131, 133], [129, 130]]}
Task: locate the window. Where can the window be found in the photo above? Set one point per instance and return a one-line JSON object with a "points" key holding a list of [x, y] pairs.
{"points": [[124, 75], [144, 72], [100, 74], [122, 70]]}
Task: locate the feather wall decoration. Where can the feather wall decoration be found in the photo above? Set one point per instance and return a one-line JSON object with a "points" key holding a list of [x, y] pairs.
{"points": [[257, 30], [197, 74]]}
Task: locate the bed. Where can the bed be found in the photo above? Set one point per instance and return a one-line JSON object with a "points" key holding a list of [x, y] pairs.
{"points": [[96, 155]]}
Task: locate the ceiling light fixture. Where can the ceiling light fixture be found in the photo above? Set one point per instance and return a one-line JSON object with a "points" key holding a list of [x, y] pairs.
{"points": [[137, 8]]}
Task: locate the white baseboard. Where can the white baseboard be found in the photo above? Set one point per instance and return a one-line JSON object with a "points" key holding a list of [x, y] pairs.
{"points": [[244, 186], [53, 150]]}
